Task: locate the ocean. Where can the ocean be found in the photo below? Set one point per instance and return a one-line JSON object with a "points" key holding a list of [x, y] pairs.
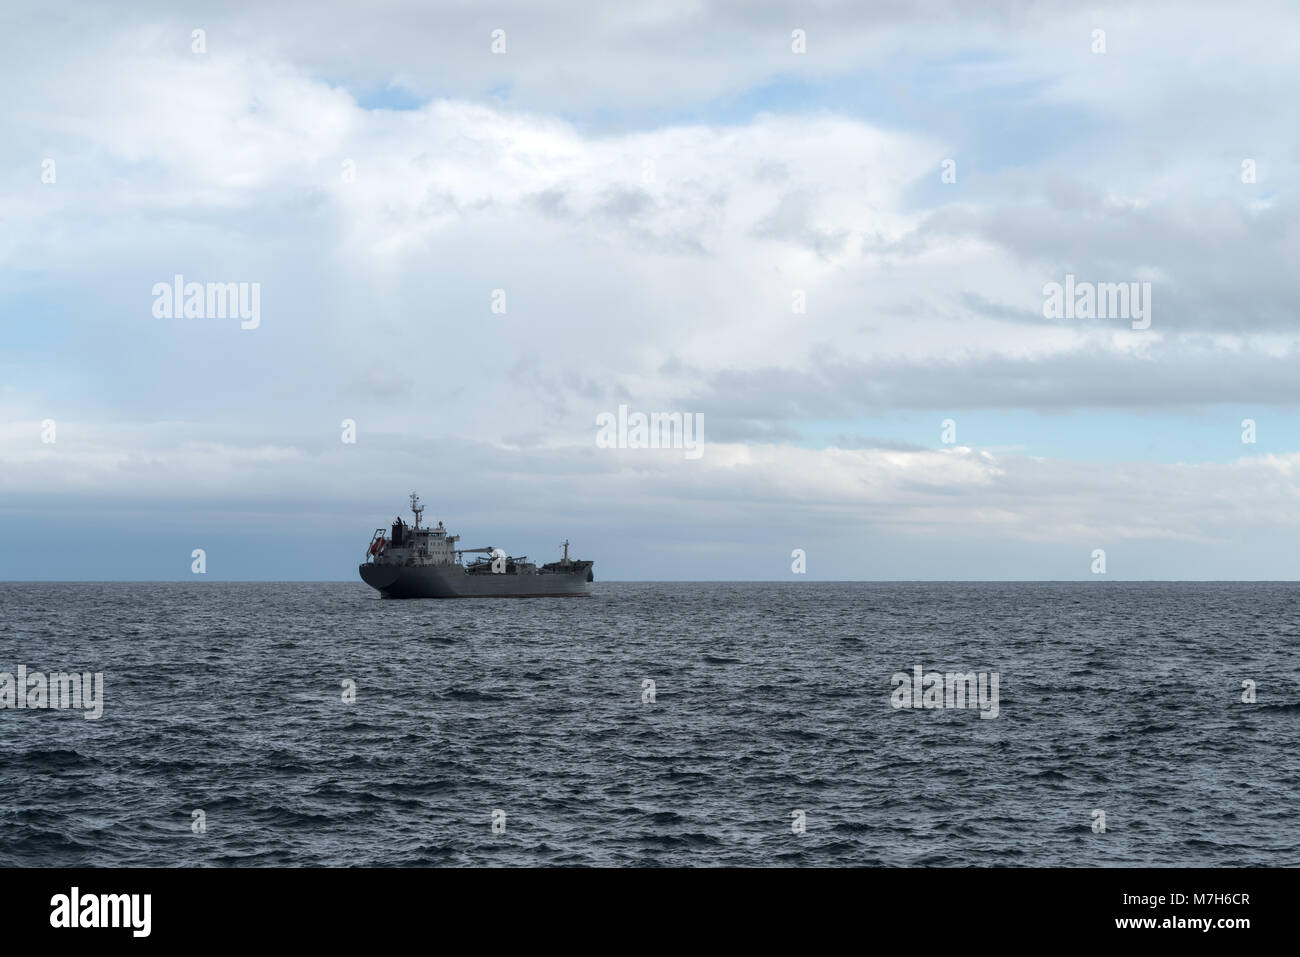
{"points": [[526, 732]]}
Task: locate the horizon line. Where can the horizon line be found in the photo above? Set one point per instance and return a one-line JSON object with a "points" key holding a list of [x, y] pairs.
{"points": [[679, 581]]}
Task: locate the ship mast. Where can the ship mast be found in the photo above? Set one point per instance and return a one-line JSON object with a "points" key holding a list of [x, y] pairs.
{"points": [[417, 508]]}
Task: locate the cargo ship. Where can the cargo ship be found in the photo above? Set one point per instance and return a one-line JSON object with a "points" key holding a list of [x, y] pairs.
{"points": [[415, 561]]}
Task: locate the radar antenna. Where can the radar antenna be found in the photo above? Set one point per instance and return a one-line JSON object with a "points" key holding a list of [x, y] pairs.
{"points": [[417, 508]]}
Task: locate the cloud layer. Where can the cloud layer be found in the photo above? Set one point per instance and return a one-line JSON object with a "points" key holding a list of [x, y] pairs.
{"points": [[677, 213]]}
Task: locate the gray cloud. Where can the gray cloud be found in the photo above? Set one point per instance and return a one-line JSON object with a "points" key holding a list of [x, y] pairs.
{"points": [[1168, 377]]}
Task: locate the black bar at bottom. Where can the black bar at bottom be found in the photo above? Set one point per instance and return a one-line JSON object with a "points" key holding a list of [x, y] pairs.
{"points": [[945, 908]]}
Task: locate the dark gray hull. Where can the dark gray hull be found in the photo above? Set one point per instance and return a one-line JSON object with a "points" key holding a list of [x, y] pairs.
{"points": [[452, 581]]}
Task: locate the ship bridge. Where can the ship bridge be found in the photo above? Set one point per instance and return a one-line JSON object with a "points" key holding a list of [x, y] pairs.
{"points": [[415, 544]]}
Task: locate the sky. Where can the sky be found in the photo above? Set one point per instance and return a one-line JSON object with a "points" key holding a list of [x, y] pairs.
{"points": [[828, 231]]}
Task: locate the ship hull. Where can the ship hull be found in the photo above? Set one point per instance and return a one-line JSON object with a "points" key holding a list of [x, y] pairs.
{"points": [[452, 581]]}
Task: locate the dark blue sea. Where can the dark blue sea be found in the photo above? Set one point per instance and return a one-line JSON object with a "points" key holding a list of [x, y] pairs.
{"points": [[769, 699]]}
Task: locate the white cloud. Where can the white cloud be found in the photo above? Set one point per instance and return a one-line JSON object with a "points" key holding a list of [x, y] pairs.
{"points": [[649, 257]]}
